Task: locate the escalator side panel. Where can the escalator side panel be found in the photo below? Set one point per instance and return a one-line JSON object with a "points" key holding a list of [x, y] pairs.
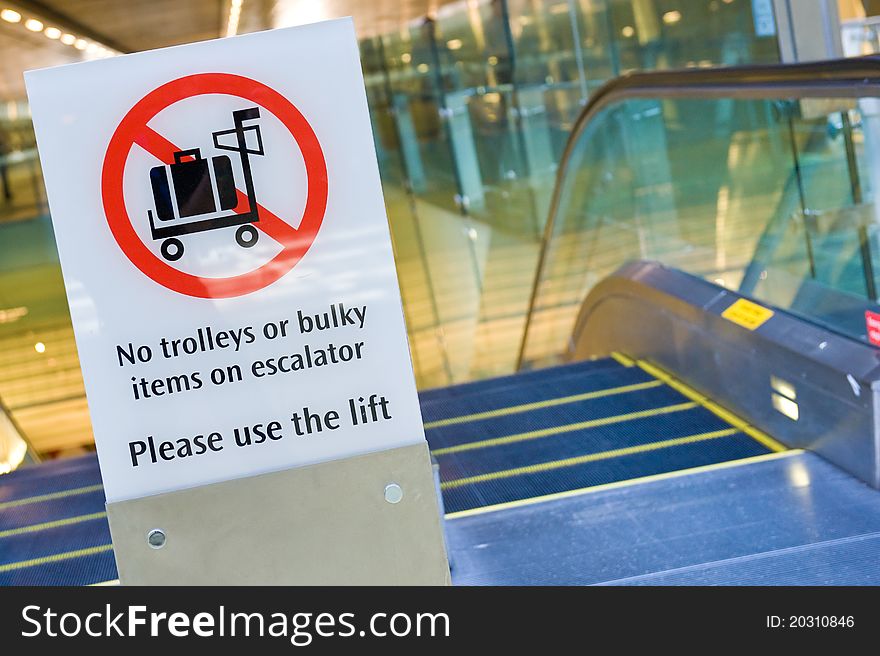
{"points": [[675, 320]]}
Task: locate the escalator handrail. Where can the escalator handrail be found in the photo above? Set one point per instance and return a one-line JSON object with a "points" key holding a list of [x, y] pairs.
{"points": [[856, 77]]}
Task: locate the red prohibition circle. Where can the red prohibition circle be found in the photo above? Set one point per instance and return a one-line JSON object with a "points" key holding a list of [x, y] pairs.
{"points": [[134, 129]]}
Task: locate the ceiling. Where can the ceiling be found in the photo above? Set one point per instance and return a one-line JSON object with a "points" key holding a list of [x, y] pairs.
{"points": [[136, 25], [370, 16]]}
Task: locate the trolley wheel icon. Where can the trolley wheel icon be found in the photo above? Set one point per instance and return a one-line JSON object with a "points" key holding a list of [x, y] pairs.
{"points": [[172, 249], [246, 236]]}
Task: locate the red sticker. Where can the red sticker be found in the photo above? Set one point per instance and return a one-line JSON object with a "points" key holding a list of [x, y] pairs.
{"points": [[295, 242], [872, 323]]}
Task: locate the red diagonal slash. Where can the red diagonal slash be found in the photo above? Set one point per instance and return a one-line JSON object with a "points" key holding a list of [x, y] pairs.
{"points": [[163, 150]]}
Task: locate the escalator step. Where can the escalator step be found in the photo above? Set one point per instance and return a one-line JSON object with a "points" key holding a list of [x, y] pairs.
{"points": [[527, 486], [50, 510], [50, 542], [561, 446], [617, 405], [568, 383], [49, 478], [96, 565], [523, 379], [512, 442]]}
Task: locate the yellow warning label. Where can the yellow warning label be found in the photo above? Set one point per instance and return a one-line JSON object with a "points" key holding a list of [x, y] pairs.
{"points": [[747, 314]]}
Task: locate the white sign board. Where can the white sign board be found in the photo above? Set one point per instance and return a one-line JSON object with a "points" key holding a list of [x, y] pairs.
{"points": [[224, 244]]}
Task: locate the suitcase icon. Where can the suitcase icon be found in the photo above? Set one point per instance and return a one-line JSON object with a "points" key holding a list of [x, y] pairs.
{"points": [[191, 186]]}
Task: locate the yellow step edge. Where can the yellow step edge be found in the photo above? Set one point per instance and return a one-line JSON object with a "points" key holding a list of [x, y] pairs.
{"points": [[54, 558], [536, 405], [51, 496], [710, 405], [625, 360], [590, 457], [556, 430], [520, 503], [33, 528], [763, 438]]}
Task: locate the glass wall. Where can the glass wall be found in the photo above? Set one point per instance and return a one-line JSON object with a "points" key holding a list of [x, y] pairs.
{"points": [[771, 198], [472, 109]]}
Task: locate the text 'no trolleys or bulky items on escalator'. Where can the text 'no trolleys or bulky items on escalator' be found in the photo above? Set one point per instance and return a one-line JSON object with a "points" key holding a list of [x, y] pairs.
{"points": [[195, 184]]}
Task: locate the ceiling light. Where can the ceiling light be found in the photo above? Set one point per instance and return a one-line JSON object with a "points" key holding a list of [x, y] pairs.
{"points": [[406, 58], [671, 17], [8, 315], [454, 44], [234, 17], [14, 456], [33, 25], [628, 31], [39, 347], [80, 44], [10, 15], [68, 39], [783, 387], [53, 33], [786, 406]]}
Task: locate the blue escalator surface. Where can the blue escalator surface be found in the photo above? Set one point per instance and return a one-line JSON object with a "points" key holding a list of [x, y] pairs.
{"points": [[560, 429], [788, 518], [53, 528], [570, 474]]}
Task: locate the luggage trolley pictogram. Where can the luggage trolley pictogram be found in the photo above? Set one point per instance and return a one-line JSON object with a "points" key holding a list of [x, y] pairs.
{"points": [[193, 190]]}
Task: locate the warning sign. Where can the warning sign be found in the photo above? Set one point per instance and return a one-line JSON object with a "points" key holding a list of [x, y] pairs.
{"points": [[747, 314], [197, 181], [225, 249]]}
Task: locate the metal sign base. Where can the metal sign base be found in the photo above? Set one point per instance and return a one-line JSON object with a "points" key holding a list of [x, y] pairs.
{"points": [[324, 524]]}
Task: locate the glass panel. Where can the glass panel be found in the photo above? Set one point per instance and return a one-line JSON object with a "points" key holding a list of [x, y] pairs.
{"points": [[21, 179], [483, 99], [771, 198]]}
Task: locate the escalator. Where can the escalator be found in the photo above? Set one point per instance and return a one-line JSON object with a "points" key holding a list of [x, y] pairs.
{"points": [[500, 443], [592, 423], [662, 427]]}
